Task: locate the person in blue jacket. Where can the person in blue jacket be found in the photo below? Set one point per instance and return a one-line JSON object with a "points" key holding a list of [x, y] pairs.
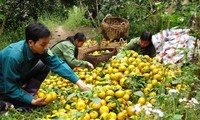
{"points": [[25, 64]]}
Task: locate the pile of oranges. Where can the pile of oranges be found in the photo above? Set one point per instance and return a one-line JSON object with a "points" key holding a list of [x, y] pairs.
{"points": [[118, 86]]}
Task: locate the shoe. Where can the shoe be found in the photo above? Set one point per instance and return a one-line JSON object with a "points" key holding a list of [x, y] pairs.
{"points": [[24, 108], [2, 107]]}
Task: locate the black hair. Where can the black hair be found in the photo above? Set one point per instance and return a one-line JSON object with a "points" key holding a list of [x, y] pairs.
{"points": [[79, 36], [35, 31], [146, 36]]}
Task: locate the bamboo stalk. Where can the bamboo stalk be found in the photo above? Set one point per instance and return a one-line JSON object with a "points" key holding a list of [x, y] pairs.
{"points": [[97, 9]]}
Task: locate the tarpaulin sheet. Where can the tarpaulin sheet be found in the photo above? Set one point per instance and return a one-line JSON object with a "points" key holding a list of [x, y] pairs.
{"points": [[172, 44]]}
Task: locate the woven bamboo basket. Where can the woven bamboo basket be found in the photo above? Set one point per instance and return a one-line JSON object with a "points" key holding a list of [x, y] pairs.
{"points": [[95, 60], [115, 28]]}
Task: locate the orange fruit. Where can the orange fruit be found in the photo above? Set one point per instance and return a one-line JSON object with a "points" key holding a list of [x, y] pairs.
{"points": [[86, 117], [152, 94], [129, 110], [126, 97], [146, 90], [122, 82], [131, 67], [119, 93], [81, 76], [155, 71], [104, 116], [152, 101], [121, 116], [135, 54], [93, 114], [154, 82], [111, 105], [103, 102], [80, 105], [54, 95], [48, 98], [137, 71], [101, 94], [146, 75], [63, 102], [122, 68], [157, 77], [41, 95], [122, 101], [178, 87], [110, 93], [67, 106], [103, 109], [150, 86], [152, 67], [130, 60], [141, 65], [107, 98], [95, 105], [145, 69], [141, 100], [112, 115]]}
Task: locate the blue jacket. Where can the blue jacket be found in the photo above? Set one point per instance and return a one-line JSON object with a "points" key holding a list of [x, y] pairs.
{"points": [[16, 61]]}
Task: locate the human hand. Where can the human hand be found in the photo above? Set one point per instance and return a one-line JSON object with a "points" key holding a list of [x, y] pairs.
{"points": [[77, 68], [83, 86], [38, 101], [90, 65]]}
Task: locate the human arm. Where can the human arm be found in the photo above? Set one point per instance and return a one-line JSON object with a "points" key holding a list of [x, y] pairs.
{"points": [[90, 65], [38, 101], [69, 56], [11, 78], [132, 44], [83, 86], [61, 68]]}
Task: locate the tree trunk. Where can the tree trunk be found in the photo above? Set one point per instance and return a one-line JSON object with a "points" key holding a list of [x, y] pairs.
{"points": [[2, 26]]}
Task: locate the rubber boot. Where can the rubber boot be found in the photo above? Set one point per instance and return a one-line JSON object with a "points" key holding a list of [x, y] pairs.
{"points": [[3, 106]]}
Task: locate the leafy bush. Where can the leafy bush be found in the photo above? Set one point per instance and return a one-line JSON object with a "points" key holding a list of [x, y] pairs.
{"points": [[11, 36], [76, 18], [162, 18], [18, 12], [51, 20]]}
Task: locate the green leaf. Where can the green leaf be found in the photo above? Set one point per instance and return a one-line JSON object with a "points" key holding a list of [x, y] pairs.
{"points": [[120, 55], [59, 119], [139, 93], [177, 117], [87, 92], [71, 96], [176, 81], [96, 100]]}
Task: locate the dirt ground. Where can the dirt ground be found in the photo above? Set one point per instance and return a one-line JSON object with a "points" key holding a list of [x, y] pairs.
{"points": [[60, 33]]}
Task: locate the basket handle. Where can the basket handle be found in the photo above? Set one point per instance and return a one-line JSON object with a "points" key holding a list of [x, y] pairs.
{"points": [[123, 23], [108, 15], [122, 40]]}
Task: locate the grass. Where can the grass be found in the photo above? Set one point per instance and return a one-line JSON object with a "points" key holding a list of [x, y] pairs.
{"points": [[51, 21], [76, 18]]}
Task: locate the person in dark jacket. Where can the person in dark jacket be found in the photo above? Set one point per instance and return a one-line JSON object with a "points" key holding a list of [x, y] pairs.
{"points": [[67, 50], [25, 64], [142, 45]]}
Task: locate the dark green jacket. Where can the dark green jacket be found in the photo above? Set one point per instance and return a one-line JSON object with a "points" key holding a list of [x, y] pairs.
{"points": [[66, 52], [17, 60], [134, 44]]}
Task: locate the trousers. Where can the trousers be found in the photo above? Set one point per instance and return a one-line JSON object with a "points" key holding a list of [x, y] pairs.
{"points": [[33, 81]]}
